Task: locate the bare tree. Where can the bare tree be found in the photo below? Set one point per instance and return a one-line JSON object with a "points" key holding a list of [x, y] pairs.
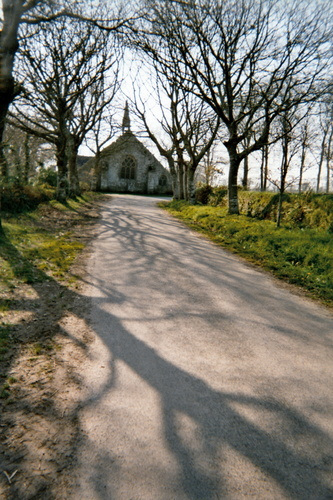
{"points": [[65, 67], [264, 167], [289, 149], [167, 141], [189, 128], [210, 167], [305, 138], [198, 129], [25, 154], [326, 133], [17, 13], [237, 58]]}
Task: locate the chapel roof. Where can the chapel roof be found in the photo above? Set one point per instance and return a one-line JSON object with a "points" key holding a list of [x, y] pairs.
{"points": [[122, 141]]}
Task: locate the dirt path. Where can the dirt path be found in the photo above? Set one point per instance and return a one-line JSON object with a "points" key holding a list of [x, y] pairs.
{"points": [[182, 373]]}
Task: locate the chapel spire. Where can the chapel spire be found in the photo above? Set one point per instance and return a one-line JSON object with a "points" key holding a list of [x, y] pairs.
{"points": [[126, 125]]}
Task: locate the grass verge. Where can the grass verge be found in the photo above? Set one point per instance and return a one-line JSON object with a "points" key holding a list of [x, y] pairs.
{"points": [[301, 256], [40, 243], [38, 246]]}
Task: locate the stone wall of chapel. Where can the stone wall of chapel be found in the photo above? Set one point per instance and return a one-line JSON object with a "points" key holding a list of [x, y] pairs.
{"points": [[148, 172]]}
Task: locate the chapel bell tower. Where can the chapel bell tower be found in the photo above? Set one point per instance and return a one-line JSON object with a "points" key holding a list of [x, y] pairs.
{"points": [[126, 125]]}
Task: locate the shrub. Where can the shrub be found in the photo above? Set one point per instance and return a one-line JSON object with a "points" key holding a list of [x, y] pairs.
{"points": [[46, 176], [202, 194], [218, 196], [258, 205], [85, 186], [15, 198], [308, 210]]}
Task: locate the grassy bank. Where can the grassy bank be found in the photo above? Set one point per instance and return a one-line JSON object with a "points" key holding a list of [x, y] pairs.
{"points": [[39, 243], [300, 255], [38, 246]]}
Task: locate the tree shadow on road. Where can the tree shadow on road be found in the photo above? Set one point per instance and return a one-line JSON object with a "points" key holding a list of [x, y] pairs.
{"points": [[219, 424], [223, 420], [219, 417]]}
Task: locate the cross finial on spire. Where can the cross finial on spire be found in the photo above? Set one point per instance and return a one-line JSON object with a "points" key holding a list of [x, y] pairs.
{"points": [[126, 125]]}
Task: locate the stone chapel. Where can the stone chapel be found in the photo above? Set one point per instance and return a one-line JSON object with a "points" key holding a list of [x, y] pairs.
{"points": [[127, 166]]}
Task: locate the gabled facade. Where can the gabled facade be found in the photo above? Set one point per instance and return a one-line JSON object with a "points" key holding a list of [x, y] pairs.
{"points": [[127, 166]]}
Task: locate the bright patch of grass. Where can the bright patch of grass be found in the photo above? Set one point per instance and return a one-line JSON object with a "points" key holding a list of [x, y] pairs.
{"points": [[28, 254], [54, 254], [73, 203], [302, 256], [36, 246]]}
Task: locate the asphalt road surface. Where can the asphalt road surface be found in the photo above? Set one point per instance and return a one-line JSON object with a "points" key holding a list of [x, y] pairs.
{"points": [[207, 379]]}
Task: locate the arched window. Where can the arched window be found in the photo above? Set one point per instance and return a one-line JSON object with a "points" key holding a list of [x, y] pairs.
{"points": [[163, 181], [128, 168]]}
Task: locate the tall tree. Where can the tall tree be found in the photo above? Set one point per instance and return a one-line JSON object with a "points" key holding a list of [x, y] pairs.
{"points": [[285, 131], [211, 167], [264, 167], [70, 71], [167, 143], [25, 154], [237, 57], [188, 125], [304, 138], [326, 135], [16, 13], [287, 154]]}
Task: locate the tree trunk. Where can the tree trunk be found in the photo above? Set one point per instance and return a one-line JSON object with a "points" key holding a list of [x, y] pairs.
{"points": [[97, 177], [175, 186], [245, 172], [233, 208], [191, 185], [174, 176], [72, 147], [62, 170], [186, 191], [3, 161], [279, 213], [73, 184], [264, 168], [322, 155], [181, 181], [328, 161], [281, 192], [12, 12], [266, 149], [301, 169], [180, 171], [304, 137], [284, 171], [26, 166]]}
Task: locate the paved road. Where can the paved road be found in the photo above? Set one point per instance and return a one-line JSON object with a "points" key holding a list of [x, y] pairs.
{"points": [[207, 379]]}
